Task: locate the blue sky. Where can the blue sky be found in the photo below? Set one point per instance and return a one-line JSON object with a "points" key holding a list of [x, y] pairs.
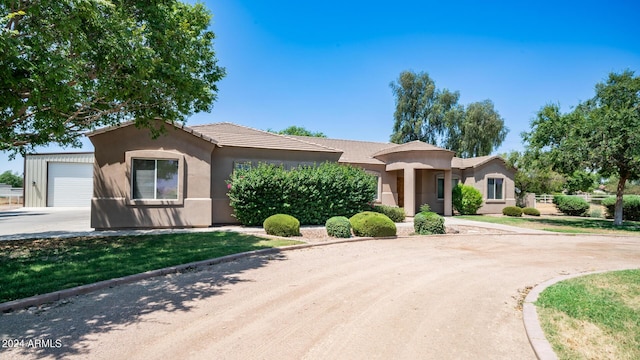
{"points": [[327, 65]]}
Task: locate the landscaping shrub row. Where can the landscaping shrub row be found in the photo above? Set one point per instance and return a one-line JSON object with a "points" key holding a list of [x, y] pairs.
{"points": [[518, 211], [367, 223], [630, 207], [311, 194], [571, 205], [396, 214]]}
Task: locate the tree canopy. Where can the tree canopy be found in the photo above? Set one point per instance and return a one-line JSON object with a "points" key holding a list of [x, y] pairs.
{"points": [[299, 131], [72, 66], [12, 179], [599, 135], [425, 113]]}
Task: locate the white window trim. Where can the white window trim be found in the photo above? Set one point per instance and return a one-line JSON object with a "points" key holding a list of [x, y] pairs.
{"points": [[154, 155], [504, 189]]}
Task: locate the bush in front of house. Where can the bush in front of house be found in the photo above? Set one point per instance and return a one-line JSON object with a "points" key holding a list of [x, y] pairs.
{"points": [[372, 224], [572, 205], [531, 211], [428, 223], [630, 207], [338, 226], [396, 214], [512, 211], [312, 194], [282, 225], [466, 199]]}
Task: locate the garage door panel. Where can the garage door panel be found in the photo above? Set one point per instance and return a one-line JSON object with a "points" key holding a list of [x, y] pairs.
{"points": [[69, 184]]}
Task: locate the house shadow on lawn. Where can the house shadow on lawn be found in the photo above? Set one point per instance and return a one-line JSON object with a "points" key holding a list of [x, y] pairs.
{"points": [[78, 320]]}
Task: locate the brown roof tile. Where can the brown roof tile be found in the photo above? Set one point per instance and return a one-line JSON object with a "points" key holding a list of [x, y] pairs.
{"points": [[410, 146], [353, 151]]}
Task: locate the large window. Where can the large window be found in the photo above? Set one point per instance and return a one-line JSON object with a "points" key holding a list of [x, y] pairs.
{"points": [[155, 179], [495, 188], [440, 186]]}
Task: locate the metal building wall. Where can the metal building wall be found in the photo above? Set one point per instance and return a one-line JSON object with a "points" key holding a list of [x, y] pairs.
{"points": [[35, 174]]}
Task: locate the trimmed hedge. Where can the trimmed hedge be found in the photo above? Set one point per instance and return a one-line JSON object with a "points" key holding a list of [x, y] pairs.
{"points": [[396, 214], [512, 211], [630, 207], [531, 211], [428, 223], [372, 224], [466, 199], [338, 226], [572, 205], [312, 194], [282, 225]]}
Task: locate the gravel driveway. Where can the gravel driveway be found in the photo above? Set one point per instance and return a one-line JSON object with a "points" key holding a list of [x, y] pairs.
{"points": [[440, 297]]}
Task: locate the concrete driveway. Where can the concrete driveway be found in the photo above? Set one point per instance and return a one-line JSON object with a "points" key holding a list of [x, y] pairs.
{"points": [[436, 297], [35, 222]]}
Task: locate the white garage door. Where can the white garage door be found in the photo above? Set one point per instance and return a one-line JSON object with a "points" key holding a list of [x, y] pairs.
{"points": [[69, 184]]}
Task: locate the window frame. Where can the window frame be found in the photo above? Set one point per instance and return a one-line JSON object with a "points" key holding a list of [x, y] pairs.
{"points": [[154, 155], [502, 189], [454, 179]]}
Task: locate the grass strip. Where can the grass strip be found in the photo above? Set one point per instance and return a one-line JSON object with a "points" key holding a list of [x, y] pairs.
{"points": [[32, 267], [593, 317], [562, 224]]}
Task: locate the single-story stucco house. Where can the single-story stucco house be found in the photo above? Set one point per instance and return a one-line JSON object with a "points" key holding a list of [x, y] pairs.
{"points": [[179, 179]]}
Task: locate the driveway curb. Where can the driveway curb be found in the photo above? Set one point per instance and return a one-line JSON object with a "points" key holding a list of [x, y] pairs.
{"points": [[539, 343], [38, 300]]}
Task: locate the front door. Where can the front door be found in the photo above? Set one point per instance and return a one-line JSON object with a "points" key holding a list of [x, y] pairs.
{"points": [[400, 191]]}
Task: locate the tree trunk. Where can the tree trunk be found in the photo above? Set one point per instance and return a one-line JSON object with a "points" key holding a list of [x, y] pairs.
{"points": [[617, 218]]}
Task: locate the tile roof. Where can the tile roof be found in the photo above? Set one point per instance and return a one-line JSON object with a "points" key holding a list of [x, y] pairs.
{"points": [[228, 134], [353, 151], [410, 146], [461, 163]]}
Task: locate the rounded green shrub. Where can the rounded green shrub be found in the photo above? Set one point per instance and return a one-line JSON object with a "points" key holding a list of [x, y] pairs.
{"points": [[531, 211], [282, 225], [338, 226], [572, 205], [427, 223], [630, 207], [466, 199], [396, 214], [512, 211], [373, 224]]}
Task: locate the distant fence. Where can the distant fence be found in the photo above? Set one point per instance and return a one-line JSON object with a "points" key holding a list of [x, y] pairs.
{"points": [[590, 198], [14, 195]]}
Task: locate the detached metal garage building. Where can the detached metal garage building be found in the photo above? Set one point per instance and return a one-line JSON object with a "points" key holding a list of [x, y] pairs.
{"points": [[58, 180]]}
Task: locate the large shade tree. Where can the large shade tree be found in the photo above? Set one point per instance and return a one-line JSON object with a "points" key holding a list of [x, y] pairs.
{"points": [[71, 66], [426, 113], [601, 134]]}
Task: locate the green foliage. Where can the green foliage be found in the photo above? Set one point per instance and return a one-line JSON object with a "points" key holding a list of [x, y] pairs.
{"points": [[425, 208], [533, 176], [466, 199], [596, 213], [372, 224], [396, 214], [312, 194], [12, 179], [572, 205], [512, 211], [298, 131], [434, 116], [428, 223], [581, 180], [630, 206], [601, 134], [531, 211], [72, 66], [282, 225], [338, 226]]}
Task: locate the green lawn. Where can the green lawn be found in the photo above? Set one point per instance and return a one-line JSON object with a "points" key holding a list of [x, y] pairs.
{"points": [[563, 224], [31, 267], [594, 316]]}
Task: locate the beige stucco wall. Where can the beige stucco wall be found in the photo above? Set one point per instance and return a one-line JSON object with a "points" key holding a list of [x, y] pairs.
{"points": [[478, 178], [223, 164], [112, 206]]}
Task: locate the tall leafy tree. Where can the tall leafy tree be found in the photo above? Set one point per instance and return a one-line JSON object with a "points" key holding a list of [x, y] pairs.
{"points": [[299, 131], [12, 179], [601, 134], [425, 113], [71, 66]]}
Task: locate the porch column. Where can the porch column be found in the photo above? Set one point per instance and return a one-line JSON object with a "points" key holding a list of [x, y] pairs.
{"points": [[409, 191], [448, 205]]}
